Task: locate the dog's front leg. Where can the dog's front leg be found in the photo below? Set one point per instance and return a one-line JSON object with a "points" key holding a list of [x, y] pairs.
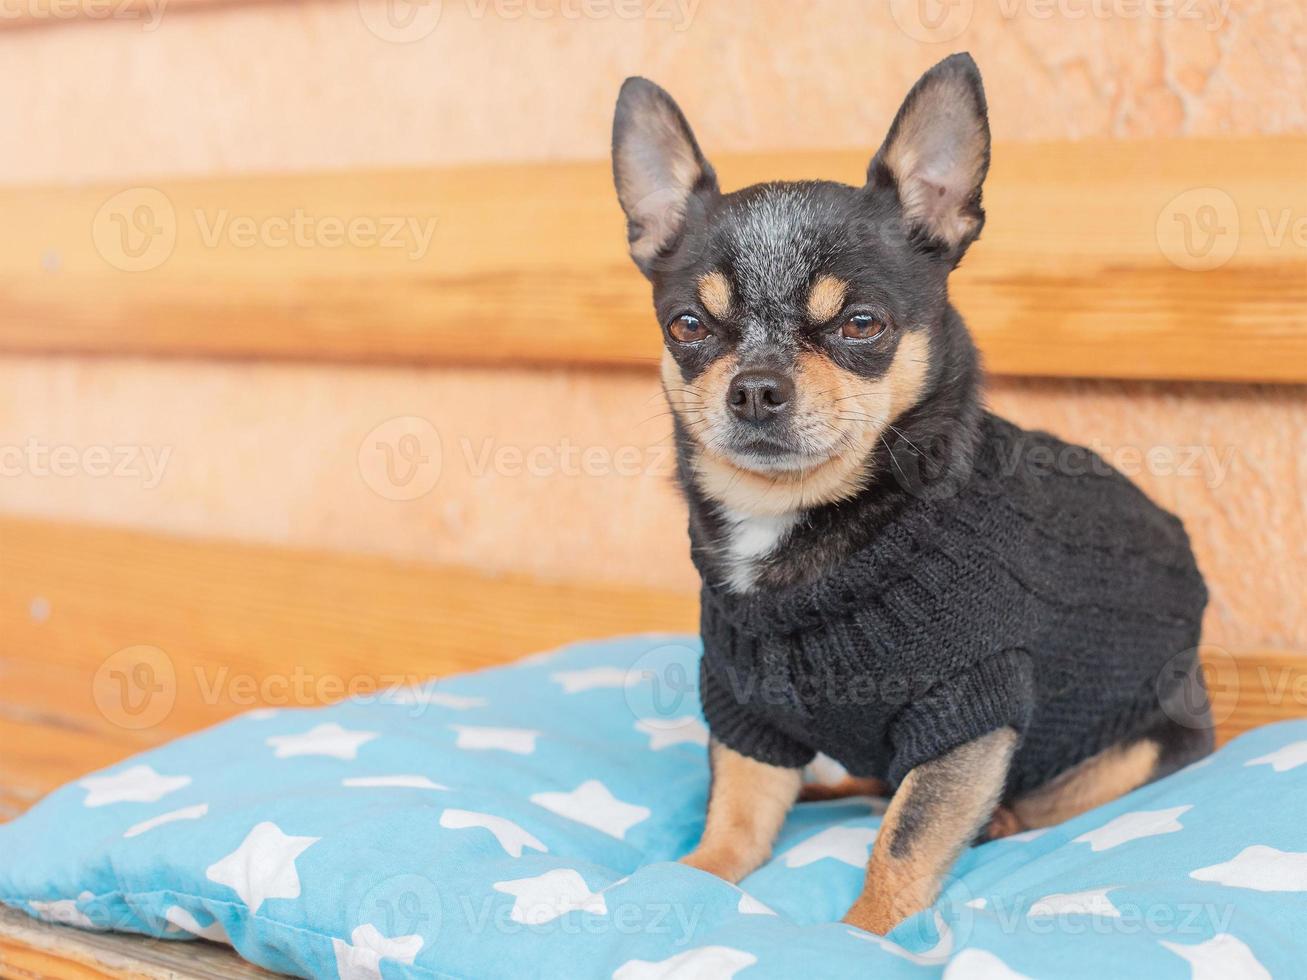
{"points": [[747, 804], [939, 808]]}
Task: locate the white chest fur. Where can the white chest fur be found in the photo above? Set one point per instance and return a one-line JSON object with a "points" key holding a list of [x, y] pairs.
{"points": [[750, 539]]}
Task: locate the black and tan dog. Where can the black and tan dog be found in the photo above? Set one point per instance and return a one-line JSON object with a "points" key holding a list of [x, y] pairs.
{"points": [[991, 624]]}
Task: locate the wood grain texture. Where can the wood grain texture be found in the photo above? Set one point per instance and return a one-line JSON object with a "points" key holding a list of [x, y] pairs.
{"points": [[30, 950], [240, 627], [1087, 267]]}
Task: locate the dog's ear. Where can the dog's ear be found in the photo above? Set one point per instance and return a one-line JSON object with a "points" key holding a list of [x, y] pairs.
{"points": [[937, 154], [658, 169]]}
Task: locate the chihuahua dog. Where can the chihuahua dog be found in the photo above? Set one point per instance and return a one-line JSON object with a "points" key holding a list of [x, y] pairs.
{"points": [[993, 625]]}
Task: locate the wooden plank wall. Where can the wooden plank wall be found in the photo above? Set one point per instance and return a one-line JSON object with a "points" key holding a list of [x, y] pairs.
{"points": [[1154, 259]]}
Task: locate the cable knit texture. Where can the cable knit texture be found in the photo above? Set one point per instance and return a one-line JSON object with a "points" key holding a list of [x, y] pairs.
{"points": [[1047, 593]]}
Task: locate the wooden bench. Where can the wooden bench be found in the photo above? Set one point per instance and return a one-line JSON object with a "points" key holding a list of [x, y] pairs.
{"points": [[229, 618]]}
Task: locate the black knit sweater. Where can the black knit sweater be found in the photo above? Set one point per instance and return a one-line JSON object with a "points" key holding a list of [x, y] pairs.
{"points": [[1047, 593]]}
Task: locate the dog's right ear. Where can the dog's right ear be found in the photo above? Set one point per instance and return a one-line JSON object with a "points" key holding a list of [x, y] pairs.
{"points": [[658, 169]]}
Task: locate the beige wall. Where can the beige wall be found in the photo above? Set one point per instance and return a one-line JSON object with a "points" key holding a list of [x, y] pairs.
{"points": [[293, 455], [277, 86], [568, 475]]}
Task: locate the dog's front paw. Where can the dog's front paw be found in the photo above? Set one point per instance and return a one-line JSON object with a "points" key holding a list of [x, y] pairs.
{"points": [[872, 916], [717, 862]]}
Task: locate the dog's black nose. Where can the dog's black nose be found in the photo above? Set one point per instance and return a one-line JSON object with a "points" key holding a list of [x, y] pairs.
{"points": [[759, 395]]}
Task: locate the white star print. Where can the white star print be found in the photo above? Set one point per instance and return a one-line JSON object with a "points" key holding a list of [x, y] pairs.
{"points": [[751, 906], [979, 964], [546, 897], [704, 963], [1260, 868], [411, 782], [521, 741], [424, 694], [576, 681], [511, 837], [65, 911], [1093, 902], [263, 866], [937, 954], [592, 804], [185, 813], [852, 845], [329, 739], [674, 731], [1283, 759], [1220, 958], [183, 919], [138, 784], [1133, 826], [361, 958], [1026, 836]]}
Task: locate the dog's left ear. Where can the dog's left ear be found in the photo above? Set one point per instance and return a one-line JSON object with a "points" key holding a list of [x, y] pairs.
{"points": [[659, 171], [937, 154]]}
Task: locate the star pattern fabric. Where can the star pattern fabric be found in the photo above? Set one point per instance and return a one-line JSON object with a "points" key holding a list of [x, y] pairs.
{"points": [[519, 741], [263, 866], [136, 784], [545, 897], [329, 739], [360, 958], [851, 845], [592, 804], [1134, 826], [511, 837], [1223, 957], [685, 730], [529, 824]]}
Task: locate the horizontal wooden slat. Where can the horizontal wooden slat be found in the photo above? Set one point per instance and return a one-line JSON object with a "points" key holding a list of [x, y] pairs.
{"points": [[241, 627], [1082, 271], [31, 949]]}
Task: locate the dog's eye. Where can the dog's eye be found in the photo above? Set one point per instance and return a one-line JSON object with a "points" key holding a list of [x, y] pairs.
{"points": [[862, 327], [686, 329]]}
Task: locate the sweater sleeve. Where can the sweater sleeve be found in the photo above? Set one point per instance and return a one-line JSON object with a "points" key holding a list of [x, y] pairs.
{"points": [[732, 724], [996, 693]]}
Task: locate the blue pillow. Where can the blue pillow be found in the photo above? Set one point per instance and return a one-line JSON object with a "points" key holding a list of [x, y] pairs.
{"points": [[524, 821]]}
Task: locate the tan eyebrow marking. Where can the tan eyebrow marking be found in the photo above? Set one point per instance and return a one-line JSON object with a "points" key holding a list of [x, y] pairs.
{"points": [[826, 298], [715, 292]]}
